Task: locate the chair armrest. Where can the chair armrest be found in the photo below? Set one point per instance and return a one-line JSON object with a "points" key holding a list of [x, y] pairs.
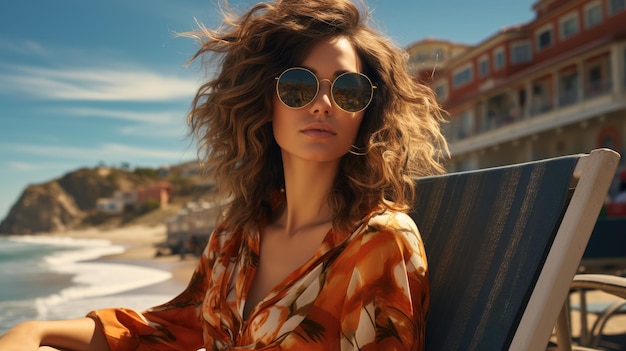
{"points": [[611, 284]]}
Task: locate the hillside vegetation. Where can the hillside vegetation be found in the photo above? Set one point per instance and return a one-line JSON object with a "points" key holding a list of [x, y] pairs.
{"points": [[69, 202]]}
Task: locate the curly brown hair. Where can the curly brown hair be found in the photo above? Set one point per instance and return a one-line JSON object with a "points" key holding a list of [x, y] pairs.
{"points": [[399, 137]]}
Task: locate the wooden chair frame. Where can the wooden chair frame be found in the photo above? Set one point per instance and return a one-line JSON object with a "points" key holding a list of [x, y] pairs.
{"points": [[593, 175], [531, 321]]}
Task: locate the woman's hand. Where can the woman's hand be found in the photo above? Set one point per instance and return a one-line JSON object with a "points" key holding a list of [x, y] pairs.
{"points": [[70, 335], [23, 337]]}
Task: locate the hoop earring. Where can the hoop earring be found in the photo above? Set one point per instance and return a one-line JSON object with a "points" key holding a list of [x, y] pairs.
{"points": [[357, 153]]}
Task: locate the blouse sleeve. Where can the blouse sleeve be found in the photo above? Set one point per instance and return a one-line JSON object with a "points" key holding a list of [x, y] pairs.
{"points": [[388, 293], [174, 325]]}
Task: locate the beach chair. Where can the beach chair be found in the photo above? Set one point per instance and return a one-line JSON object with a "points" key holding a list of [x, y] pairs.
{"points": [[592, 336], [503, 246], [604, 267]]}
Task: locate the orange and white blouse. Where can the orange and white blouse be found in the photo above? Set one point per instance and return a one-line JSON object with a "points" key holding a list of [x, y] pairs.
{"points": [[365, 290]]}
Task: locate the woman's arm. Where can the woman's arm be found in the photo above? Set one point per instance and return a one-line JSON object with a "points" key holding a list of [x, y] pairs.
{"points": [[72, 335]]}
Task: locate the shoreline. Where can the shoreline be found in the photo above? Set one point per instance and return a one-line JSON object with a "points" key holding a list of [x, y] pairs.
{"points": [[139, 244], [70, 289]]}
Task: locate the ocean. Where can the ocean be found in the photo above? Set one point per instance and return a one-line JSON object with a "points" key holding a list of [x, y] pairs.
{"points": [[47, 278]]}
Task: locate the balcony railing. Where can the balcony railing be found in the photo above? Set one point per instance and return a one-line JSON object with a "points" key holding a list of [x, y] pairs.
{"points": [[567, 98], [540, 105], [597, 88]]}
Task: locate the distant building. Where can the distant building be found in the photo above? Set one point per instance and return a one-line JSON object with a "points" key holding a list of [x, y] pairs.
{"points": [[187, 169], [160, 191], [190, 229], [125, 199], [164, 171], [429, 55], [553, 86], [121, 200], [109, 206]]}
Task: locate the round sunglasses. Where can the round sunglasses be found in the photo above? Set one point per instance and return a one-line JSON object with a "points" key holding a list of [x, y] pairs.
{"points": [[351, 92]]}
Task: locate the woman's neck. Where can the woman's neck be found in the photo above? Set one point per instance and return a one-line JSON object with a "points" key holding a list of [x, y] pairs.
{"points": [[307, 189]]}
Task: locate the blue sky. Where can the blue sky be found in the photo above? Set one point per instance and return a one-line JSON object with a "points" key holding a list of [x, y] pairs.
{"points": [[90, 82]]}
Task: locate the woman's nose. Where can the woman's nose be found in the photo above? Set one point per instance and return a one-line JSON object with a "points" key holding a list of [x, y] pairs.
{"points": [[323, 99]]}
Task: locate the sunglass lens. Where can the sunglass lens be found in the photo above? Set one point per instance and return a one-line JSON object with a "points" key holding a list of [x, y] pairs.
{"points": [[352, 92], [297, 87]]}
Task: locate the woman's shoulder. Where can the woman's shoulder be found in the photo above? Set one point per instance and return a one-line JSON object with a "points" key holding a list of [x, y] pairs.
{"points": [[394, 220], [393, 227], [394, 235]]}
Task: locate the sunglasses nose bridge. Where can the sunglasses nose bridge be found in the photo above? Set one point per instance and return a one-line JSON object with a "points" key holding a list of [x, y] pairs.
{"points": [[321, 89], [326, 80]]}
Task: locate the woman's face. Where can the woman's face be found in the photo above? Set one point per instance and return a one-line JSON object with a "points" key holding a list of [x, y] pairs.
{"points": [[319, 131]]}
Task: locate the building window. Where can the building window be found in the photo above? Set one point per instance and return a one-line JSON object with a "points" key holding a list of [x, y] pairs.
{"points": [[569, 26], [616, 6], [463, 76], [441, 91], [593, 14], [465, 129], [624, 58], [460, 127], [568, 88], [596, 76], [483, 67], [439, 56], [498, 59], [520, 52], [498, 111], [597, 81], [520, 110], [541, 99], [433, 55], [544, 38]]}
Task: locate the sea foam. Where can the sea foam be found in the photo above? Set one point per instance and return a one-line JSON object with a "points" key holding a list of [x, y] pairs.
{"points": [[93, 283]]}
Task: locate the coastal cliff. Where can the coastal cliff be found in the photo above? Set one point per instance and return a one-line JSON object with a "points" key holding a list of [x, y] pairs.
{"points": [[70, 201], [42, 208]]}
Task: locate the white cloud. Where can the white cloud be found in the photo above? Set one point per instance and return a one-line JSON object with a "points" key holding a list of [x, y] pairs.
{"points": [[125, 150], [25, 47], [109, 151], [23, 166], [94, 84], [36, 166], [150, 130], [153, 124], [160, 118]]}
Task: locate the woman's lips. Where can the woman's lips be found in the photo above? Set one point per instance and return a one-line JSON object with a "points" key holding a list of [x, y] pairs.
{"points": [[318, 131]]}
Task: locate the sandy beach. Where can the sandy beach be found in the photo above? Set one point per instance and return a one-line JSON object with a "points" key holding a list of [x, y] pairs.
{"points": [[140, 249]]}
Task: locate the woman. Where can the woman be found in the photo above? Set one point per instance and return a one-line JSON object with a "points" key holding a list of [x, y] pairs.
{"points": [[315, 132]]}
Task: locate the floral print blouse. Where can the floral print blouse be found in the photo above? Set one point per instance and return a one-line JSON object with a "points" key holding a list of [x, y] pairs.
{"points": [[365, 290]]}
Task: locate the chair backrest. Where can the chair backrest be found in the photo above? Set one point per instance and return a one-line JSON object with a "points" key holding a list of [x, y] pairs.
{"points": [[503, 245]]}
